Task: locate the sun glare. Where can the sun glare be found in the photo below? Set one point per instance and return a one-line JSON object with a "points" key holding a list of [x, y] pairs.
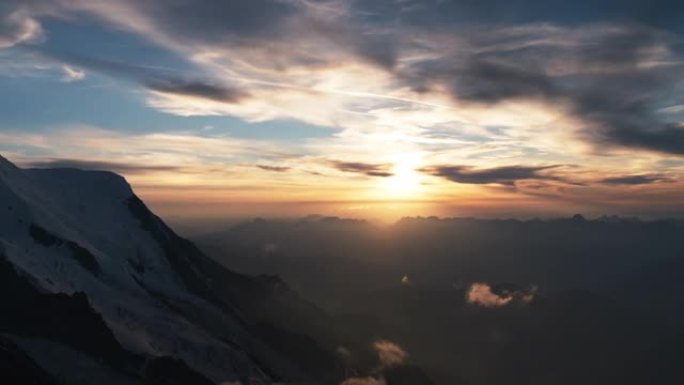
{"points": [[405, 181]]}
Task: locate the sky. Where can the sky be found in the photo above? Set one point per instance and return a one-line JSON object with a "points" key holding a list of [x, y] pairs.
{"points": [[376, 109]]}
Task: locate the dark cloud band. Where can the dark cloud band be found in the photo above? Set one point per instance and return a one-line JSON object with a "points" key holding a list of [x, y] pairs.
{"points": [[641, 179], [370, 169], [507, 176]]}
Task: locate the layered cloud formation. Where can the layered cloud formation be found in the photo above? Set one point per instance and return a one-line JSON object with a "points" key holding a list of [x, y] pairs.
{"points": [[454, 98]]}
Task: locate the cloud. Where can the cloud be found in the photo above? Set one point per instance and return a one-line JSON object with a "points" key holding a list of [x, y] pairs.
{"points": [[18, 27], [389, 353], [629, 129], [282, 25], [444, 13], [151, 147], [120, 168], [406, 281], [490, 81], [160, 81], [292, 32], [273, 168], [378, 170], [610, 78], [472, 87], [271, 59], [72, 74], [196, 89], [678, 109], [639, 179], [481, 294], [507, 175]]}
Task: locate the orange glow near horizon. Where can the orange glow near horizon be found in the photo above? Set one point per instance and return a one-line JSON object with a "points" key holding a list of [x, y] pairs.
{"points": [[330, 111], [188, 176]]}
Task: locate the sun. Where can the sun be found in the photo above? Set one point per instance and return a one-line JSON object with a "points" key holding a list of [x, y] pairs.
{"points": [[405, 181]]}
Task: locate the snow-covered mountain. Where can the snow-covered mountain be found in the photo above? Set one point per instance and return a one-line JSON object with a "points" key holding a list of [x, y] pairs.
{"points": [[95, 286]]}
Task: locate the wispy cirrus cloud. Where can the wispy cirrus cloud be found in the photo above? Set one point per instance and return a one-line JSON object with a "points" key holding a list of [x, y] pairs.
{"points": [[157, 80]]}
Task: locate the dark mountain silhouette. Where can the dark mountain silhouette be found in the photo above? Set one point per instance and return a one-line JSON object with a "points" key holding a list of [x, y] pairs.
{"points": [[88, 271], [565, 301]]}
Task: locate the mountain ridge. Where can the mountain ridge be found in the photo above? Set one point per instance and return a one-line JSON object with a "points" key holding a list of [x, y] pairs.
{"points": [[85, 233]]}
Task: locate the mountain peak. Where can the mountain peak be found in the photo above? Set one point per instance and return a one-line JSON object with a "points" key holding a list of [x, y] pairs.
{"points": [[77, 181], [71, 181], [5, 164]]}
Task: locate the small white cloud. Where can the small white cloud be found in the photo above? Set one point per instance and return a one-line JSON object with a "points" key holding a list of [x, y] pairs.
{"points": [[389, 353], [72, 74], [481, 294]]}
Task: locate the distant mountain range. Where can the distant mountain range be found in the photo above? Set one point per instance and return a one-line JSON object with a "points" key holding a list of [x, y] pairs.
{"points": [[489, 302]]}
